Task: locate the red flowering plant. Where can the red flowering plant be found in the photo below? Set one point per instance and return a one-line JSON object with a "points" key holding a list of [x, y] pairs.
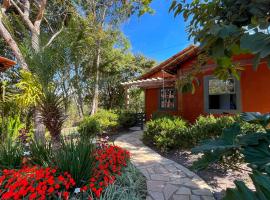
{"points": [[110, 160], [35, 183]]}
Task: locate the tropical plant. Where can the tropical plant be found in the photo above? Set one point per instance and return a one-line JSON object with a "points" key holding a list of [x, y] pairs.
{"points": [[256, 151], [226, 148], [52, 113], [251, 147]]}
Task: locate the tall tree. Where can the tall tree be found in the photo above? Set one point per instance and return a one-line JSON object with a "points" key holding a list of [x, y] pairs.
{"points": [[107, 14], [31, 14]]}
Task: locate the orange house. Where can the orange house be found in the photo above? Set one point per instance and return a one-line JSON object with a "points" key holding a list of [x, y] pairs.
{"points": [[250, 93]]}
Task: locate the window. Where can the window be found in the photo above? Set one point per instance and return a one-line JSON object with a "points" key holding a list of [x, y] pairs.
{"points": [[167, 99], [221, 96]]}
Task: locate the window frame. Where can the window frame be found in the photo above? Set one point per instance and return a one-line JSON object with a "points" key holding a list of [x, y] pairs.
{"points": [[175, 99], [221, 111]]}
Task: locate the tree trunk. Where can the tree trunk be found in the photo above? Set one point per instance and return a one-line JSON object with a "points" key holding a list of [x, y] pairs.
{"points": [[13, 45], [39, 126], [96, 92]]}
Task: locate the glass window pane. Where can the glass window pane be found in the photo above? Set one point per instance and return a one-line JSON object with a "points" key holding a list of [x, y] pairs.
{"points": [[217, 86], [167, 98]]}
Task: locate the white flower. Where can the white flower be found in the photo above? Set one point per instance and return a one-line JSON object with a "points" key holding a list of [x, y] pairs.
{"points": [[26, 153], [27, 144], [77, 190]]}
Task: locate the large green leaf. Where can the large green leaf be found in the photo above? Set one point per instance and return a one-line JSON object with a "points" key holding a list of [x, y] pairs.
{"points": [[252, 138], [256, 118], [215, 150], [258, 156], [242, 192]]}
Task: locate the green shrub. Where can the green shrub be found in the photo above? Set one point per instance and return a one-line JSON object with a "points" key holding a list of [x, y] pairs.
{"points": [[167, 133], [208, 127], [103, 120], [89, 127], [107, 119], [127, 119]]}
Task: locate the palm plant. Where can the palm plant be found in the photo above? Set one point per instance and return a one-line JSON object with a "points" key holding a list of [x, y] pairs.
{"points": [[52, 113]]}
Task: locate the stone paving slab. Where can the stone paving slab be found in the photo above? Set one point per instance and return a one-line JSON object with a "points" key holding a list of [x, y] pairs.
{"points": [[166, 179]]}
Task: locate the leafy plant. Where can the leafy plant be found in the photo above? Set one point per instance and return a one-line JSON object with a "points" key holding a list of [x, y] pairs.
{"points": [[127, 119], [52, 113], [216, 150], [167, 133], [256, 153], [209, 127], [11, 153], [107, 119], [89, 127], [102, 121], [14, 125], [252, 147], [75, 157], [41, 153]]}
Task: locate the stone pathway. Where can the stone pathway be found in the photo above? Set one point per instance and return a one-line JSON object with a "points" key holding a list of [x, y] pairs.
{"points": [[166, 180]]}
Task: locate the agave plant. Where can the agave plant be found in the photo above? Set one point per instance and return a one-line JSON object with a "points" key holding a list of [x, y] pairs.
{"points": [[52, 113]]}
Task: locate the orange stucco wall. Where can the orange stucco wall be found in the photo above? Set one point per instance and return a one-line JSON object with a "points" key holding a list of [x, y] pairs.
{"points": [[254, 85]]}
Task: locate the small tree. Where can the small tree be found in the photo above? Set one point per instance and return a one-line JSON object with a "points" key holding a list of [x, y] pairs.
{"points": [[52, 113]]}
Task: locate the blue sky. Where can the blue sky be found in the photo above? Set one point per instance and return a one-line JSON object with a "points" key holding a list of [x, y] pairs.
{"points": [[157, 36]]}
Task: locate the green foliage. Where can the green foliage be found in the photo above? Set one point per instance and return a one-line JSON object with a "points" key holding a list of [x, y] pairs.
{"points": [[107, 119], [252, 147], [11, 153], [217, 150], [30, 89], [242, 192], [227, 27], [159, 114], [207, 127], [41, 153], [127, 119], [256, 118], [13, 127], [89, 127], [167, 133], [52, 112], [75, 157]]}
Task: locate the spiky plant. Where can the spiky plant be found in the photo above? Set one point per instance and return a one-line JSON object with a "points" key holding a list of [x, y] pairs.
{"points": [[52, 113]]}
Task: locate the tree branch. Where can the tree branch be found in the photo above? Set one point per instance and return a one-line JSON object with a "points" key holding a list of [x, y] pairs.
{"points": [[24, 17], [53, 37], [42, 5]]}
